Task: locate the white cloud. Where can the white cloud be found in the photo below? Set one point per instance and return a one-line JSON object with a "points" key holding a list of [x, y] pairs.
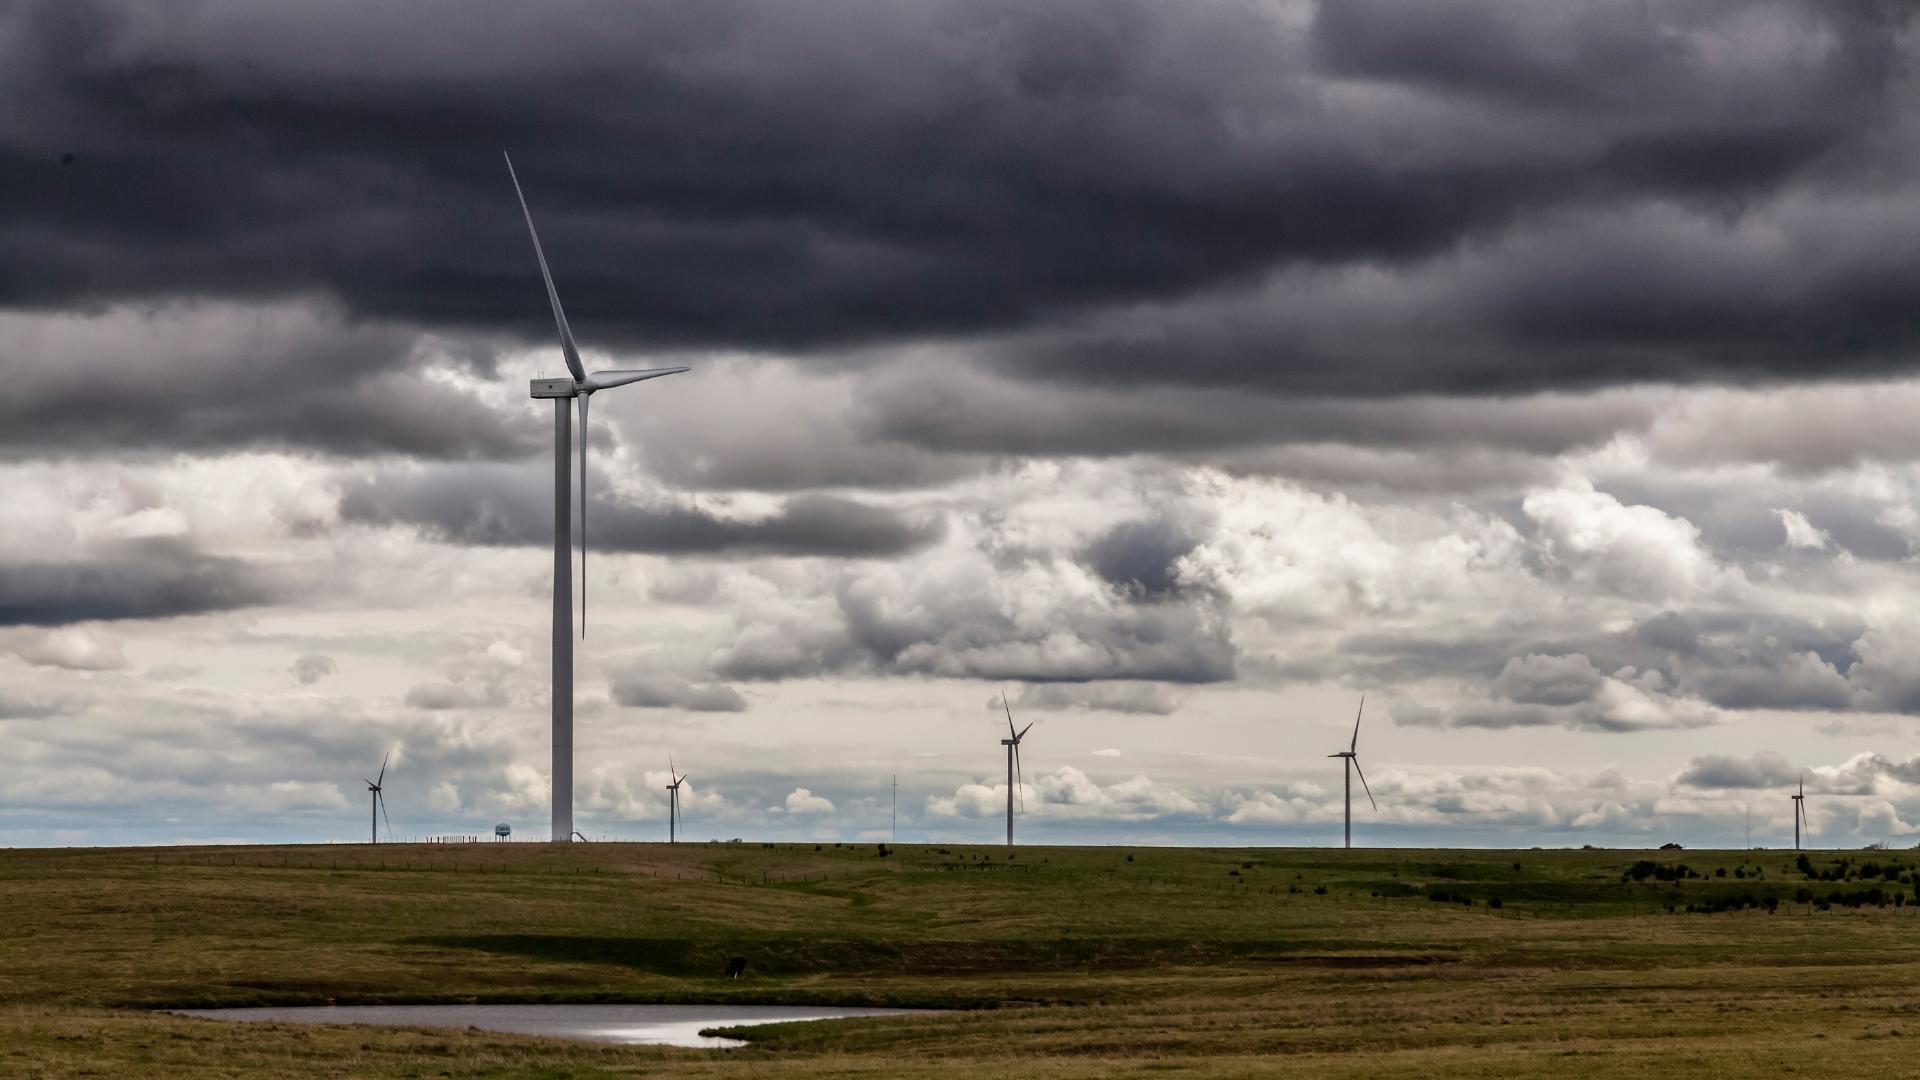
{"points": [[83, 647], [1068, 794], [1800, 531], [1879, 819], [803, 801]]}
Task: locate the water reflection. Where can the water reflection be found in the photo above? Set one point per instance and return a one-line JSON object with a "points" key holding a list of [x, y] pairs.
{"points": [[669, 1025]]}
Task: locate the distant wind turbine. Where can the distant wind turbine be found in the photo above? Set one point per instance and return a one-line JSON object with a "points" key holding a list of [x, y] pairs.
{"points": [[1013, 764], [673, 799], [1800, 813], [379, 808], [1352, 754], [580, 386]]}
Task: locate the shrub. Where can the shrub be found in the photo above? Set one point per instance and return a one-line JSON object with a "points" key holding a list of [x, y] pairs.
{"points": [[1493, 902], [1670, 846], [1319, 890]]}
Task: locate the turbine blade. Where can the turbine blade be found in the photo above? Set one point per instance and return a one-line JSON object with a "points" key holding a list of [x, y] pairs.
{"points": [[584, 398], [1009, 708], [1355, 746], [559, 317], [606, 380], [382, 800], [383, 766], [1363, 783], [1020, 777], [1023, 733]]}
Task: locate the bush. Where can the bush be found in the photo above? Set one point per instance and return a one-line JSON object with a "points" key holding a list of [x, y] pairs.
{"points": [[1493, 902], [1319, 890], [1671, 847]]}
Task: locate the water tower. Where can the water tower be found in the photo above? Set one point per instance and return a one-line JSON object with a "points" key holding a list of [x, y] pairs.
{"points": [[502, 831]]}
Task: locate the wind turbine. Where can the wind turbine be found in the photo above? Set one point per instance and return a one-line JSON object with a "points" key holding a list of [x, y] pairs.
{"points": [[1800, 813], [580, 386], [673, 798], [1352, 754], [1013, 764], [379, 808]]}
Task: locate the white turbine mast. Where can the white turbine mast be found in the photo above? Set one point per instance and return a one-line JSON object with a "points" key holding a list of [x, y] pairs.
{"points": [[579, 386], [1352, 765]]}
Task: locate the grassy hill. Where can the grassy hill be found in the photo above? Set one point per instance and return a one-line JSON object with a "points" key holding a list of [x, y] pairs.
{"points": [[1066, 961]]}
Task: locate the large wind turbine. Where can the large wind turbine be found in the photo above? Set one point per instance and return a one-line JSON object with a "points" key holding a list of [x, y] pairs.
{"points": [[1800, 813], [673, 799], [379, 802], [580, 386], [1352, 754], [1013, 764]]}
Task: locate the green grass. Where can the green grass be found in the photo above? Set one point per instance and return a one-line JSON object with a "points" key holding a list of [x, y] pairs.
{"points": [[1058, 961]]}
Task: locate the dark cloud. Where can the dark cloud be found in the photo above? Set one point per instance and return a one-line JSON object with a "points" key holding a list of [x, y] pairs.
{"points": [[1764, 769], [930, 627], [1139, 556], [1455, 197], [312, 668], [514, 506], [1548, 680], [652, 691], [211, 375], [132, 580]]}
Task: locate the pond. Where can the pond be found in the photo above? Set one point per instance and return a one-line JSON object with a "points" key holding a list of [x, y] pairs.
{"points": [[669, 1025]]}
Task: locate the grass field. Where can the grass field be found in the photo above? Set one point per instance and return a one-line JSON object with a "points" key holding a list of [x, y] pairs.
{"points": [[1055, 962]]}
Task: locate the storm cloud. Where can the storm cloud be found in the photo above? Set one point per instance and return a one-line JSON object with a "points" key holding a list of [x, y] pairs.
{"points": [[1350, 197], [514, 506], [143, 580]]}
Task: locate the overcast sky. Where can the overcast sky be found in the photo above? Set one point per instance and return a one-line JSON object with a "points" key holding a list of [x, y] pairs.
{"points": [[1544, 373]]}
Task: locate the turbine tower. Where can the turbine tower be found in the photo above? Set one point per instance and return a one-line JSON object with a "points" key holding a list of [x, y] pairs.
{"points": [[1352, 754], [673, 799], [379, 807], [578, 386], [1013, 764], [1800, 813]]}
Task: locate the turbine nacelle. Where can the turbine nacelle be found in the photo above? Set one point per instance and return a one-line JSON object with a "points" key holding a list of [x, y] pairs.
{"points": [[599, 380]]}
